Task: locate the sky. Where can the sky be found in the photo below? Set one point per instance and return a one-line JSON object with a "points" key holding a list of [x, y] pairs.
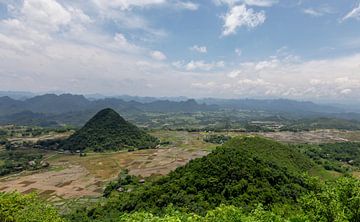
{"points": [[296, 49]]}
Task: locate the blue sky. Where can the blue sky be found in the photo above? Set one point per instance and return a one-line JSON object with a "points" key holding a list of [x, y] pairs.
{"points": [[298, 49]]}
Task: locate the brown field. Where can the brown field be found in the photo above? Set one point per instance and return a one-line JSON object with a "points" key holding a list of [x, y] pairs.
{"points": [[71, 176], [74, 181]]}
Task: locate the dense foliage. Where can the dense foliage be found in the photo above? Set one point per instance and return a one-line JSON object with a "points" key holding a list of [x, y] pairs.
{"points": [[243, 172], [339, 157], [328, 202], [248, 179], [18, 160], [15, 207], [107, 130], [217, 139]]}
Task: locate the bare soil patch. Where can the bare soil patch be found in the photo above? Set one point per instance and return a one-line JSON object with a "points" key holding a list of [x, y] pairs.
{"points": [[72, 182]]}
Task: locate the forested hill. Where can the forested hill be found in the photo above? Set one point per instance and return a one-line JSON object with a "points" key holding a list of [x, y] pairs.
{"points": [[243, 172], [107, 130]]}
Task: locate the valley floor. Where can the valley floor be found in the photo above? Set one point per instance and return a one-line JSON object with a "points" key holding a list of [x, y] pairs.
{"points": [[73, 177]]}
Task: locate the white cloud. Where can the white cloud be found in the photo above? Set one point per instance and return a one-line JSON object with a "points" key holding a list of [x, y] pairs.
{"points": [[187, 5], [67, 50], [320, 11], [280, 77], [238, 51], [252, 82], [198, 65], [234, 74], [346, 91], [127, 4], [259, 3], [239, 16], [48, 14], [158, 55], [202, 65], [355, 14], [313, 12], [122, 43], [131, 4], [200, 49]]}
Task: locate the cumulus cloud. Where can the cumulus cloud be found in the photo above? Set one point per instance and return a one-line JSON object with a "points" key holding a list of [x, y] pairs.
{"points": [[239, 16], [280, 77], [199, 49], [353, 14], [48, 45], [158, 55]]}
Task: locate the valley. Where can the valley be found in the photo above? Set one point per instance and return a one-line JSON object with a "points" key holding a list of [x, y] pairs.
{"points": [[72, 177]]}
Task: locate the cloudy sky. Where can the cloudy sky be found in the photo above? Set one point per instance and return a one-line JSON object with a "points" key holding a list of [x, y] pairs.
{"points": [[300, 49]]}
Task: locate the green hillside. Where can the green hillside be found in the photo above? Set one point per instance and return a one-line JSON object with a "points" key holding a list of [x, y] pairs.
{"points": [[243, 172], [107, 130]]}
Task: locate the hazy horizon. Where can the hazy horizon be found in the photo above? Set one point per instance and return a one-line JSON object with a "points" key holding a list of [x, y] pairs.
{"points": [[263, 49]]}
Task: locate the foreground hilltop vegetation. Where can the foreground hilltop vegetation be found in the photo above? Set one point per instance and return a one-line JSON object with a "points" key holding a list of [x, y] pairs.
{"points": [[248, 179], [107, 130], [244, 172]]}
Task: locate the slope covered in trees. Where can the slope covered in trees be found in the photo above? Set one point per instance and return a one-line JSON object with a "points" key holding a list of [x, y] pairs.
{"points": [[107, 130], [243, 172]]}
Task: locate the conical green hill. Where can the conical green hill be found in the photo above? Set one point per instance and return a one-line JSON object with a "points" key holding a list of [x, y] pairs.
{"points": [[107, 130]]}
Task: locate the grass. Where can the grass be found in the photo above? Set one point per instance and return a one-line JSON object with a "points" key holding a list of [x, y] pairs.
{"points": [[318, 171]]}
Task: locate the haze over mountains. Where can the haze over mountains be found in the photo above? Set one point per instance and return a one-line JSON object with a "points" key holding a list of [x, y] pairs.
{"points": [[52, 109]]}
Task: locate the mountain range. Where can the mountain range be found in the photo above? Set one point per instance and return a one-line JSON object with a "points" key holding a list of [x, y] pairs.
{"points": [[50, 109]]}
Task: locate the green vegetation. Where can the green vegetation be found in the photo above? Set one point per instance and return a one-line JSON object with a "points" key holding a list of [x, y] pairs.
{"points": [[328, 202], [321, 123], [243, 172], [15, 207], [217, 139], [340, 157], [107, 130], [19, 160], [248, 179]]}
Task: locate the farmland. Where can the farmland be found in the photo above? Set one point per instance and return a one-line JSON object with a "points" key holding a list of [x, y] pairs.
{"points": [[71, 176]]}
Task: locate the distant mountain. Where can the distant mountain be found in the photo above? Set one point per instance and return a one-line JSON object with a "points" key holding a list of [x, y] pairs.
{"points": [[18, 95], [76, 109], [9, 105], [273, 105], [51, 103], [28, 118], [58, 104], [107, 130]]}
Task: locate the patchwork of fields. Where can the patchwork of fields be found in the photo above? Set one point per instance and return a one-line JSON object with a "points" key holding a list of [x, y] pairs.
{"points": [[72, 176]]}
